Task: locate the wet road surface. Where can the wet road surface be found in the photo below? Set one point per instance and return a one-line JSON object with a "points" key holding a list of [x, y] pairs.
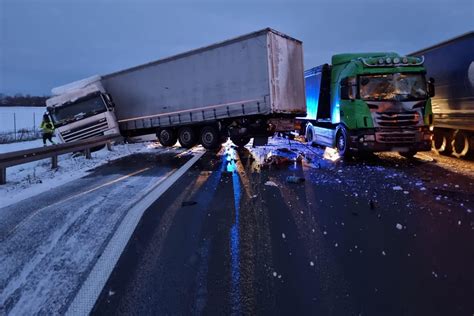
{"points": [[380, 236]]}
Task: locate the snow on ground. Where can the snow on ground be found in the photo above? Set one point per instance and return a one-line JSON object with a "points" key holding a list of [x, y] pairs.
{"points": [[24, 117], [26, 180]]}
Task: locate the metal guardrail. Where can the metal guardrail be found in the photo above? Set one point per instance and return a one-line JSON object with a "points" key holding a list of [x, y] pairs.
{"points": [[24, 156]]}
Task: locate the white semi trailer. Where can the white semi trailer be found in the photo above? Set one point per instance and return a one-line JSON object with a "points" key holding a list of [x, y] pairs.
{"points": [[247, 87]]}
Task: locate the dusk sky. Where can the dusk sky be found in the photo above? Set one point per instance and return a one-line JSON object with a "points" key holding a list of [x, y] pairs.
{"points": [[47, 43]]}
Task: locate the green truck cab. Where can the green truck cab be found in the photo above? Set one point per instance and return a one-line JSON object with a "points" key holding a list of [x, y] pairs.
{"points": [[369, 102]]}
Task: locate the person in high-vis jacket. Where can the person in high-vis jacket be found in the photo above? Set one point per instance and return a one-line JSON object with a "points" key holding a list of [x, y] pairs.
{"points": [[47, 128]]}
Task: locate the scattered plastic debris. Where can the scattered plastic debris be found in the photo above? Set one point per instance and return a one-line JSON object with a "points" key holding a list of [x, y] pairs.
{"points": [[271, 184]]}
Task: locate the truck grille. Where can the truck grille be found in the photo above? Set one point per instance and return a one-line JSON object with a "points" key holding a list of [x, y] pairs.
{"points": [[396, 119], [395, 137], [92, 129]]}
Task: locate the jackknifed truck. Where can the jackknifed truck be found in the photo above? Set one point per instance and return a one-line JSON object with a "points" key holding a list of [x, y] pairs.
{"points": [[369, 102], [247, 87]]}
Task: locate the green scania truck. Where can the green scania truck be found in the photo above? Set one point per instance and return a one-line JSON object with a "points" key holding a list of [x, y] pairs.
{"points": [[369, 102]]}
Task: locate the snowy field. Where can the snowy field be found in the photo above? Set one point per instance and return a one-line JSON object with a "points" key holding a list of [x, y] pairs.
{"points": [[26, 180], [25, 117]]}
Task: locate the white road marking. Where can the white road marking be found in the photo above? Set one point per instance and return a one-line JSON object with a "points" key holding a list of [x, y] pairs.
{"points": [[92, 287]]}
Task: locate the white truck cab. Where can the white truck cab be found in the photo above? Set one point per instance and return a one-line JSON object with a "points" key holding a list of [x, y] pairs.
{"points": [[81, 110]]}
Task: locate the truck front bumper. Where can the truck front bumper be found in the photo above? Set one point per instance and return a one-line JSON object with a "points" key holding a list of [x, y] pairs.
{"points": [[375, 140]]}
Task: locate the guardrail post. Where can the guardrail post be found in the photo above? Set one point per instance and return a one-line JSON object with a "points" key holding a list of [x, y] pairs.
{"points": [[3, 175], [87, 152], [54, 162]]}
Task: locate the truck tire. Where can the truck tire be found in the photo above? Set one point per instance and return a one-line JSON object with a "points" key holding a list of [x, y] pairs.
{"points": [[210, 138], [309, 135], [441, 142], [167, 137], [342, 144], [187, 137], [240, 141], [460, 144]]}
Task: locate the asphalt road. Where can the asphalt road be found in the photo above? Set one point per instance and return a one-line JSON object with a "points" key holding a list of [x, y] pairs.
{"points": [[379, 236], [50, 242]]}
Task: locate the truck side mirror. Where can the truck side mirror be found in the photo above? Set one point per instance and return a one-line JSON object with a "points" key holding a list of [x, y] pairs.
{"points": [[431, 87], [347, 90], [110, 103]]}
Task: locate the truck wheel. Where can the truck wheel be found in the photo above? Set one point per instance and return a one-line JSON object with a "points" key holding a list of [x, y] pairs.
{"points": [[240, 141], [210, 138], [460, 144], [408, 154], [441, 142], [309, 136], [187, 137], [167, 137], [342, 145]]}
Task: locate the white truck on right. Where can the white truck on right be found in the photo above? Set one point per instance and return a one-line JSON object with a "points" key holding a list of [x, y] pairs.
{"points": [[451, 64]]}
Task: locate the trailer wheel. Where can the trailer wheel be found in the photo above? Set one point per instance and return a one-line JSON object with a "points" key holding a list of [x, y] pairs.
{"points": [[240, 141], [187, 137], [210, 138], [342, 145], [167, 137], [460, 144], [441, 142]]}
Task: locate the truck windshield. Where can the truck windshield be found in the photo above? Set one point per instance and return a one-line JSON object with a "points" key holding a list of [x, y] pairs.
{"points": [[78, 110], [393, 87]]}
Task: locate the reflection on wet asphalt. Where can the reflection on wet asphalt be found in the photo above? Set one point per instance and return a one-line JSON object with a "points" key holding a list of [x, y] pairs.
{"points": [[381, 235]]}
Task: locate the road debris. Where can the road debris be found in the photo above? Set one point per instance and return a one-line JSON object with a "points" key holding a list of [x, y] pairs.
{"points": [[271, 184], [399, 226]]}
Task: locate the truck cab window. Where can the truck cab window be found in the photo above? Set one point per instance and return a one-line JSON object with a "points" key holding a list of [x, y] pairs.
{"points": [[393, 87]]}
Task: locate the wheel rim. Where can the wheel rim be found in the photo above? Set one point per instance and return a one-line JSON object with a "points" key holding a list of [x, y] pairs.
{"points": [[186, 136], [310, 136], [165, 136], [341, 143], [208, 138]]}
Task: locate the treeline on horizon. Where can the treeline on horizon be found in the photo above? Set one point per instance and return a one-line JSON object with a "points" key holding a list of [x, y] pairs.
{"points": [[22, 100]]}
